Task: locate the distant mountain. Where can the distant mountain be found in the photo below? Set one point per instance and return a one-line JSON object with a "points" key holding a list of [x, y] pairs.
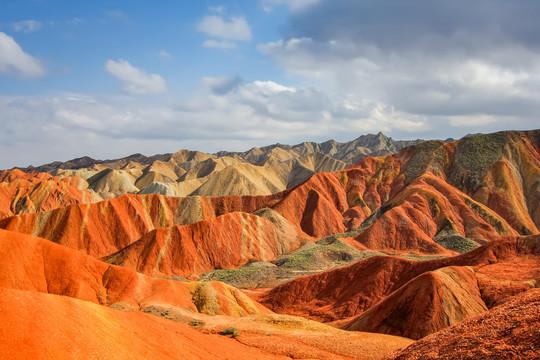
{"points": [[259, 171], [348, 152]]}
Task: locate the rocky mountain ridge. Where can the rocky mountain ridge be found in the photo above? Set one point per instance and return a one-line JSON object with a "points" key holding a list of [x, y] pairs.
{"points": [[259, 171]]}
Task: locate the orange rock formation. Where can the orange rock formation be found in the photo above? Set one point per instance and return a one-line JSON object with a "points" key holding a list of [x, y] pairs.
{"points": [[509, 331]]}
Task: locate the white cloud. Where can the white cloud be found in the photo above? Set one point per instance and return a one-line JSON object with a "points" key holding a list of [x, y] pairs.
{"points": [[236, 29], [416, 82], [246, 115], [135, 80], [223, 114], [14, 60], [271, 86], [447, 66], [27, 26], [472, 120], [223, 44]]}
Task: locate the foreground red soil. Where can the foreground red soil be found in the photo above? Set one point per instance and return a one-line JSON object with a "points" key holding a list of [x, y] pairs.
{"points": [[510, 331], [32, 266], [75, 329]]}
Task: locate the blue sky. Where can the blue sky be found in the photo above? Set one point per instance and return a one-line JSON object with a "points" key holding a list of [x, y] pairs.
{"points": [[110, 78], [73, 40]]}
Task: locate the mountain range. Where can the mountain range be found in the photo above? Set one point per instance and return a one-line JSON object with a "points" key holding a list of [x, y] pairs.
{"points": [[259, 171], [370, 249]]}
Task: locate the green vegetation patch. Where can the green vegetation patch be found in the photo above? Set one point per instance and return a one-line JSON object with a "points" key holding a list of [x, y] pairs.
{"points": [[418, 257], [428, 155], [322, 256], [474, 156], [328, 240], [205, 298], [458, 243], [230, 331], [246, 277]]}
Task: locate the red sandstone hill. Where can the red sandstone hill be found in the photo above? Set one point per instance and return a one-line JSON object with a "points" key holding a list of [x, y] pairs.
{"points": [[396, 289], [227, 241], [37, 326], [103, 228], [507, 332], [23, 193], [478, 188], [34, 264], [428, 303]]}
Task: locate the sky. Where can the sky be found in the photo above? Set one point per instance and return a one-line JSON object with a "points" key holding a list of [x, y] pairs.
{"points": [[107, 79]]}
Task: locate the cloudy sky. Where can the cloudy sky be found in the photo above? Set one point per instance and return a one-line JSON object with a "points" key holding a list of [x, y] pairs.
{"points": [[111, 78]]}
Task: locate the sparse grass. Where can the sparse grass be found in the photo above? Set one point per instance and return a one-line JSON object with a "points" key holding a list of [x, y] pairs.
{"points": [[474, 156], [458, 243], [325, 255], [412, 256], [418, 257], [332, 238], [245, 277], [484, 214], [428, 155], [196, 323], [232, 275], [232, 331], [204, 298]]}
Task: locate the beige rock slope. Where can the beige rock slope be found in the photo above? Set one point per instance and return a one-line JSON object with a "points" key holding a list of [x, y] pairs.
{"points": [[259, 171]]}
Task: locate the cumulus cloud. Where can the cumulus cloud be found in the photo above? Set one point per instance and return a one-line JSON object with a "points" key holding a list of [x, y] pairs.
{"points": [[14, 60], [471, 120], [223, 114], [235, 29], [448, 62], [272, 87], [27, 26], [135, 80]]}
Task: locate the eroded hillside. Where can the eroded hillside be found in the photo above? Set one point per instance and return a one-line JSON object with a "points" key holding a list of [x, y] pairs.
{"points": [[442, 232]]}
